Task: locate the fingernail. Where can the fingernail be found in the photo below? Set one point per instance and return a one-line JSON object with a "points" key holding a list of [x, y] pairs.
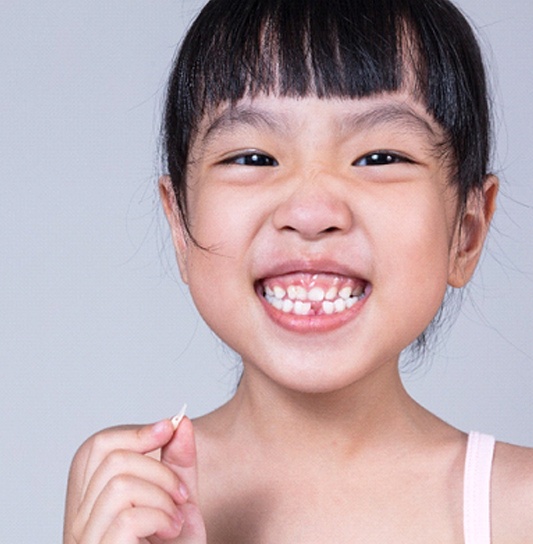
{"points": [[176, 420]]}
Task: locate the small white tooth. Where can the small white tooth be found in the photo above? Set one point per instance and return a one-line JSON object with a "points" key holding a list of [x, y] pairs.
{"points": [[291, 291], [316, 294], [350, 302], [302, 308], [176, 420], [328, 307], [340, 305], [279, 292], [277, 303], [345, 293], [269, 291], [301, 293], [288, 305], [332, 293]]}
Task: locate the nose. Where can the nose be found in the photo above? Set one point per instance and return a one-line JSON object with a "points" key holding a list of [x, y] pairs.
{"points": [[314, 208]]}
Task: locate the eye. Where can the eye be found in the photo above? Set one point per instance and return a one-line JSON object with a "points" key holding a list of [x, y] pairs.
{"points": [[380, 158], [252, 159]]}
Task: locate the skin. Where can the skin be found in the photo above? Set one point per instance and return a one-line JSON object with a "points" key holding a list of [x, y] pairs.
{"points": [[320, 442]]}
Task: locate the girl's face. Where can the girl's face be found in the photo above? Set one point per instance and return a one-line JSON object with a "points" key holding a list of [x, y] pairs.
{"points": [[327, 233]]}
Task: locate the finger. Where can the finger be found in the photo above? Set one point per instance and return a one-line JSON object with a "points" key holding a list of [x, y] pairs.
{"points": [[136, 439], [130, 464], [134, 524], [180, 456], [193, 529], [123, 493]]}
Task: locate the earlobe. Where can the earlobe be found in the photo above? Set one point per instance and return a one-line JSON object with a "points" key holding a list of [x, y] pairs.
{"points": [[177, 229], [471, 232]]}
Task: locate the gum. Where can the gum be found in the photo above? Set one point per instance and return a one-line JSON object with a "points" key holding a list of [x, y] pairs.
{"points": [[308, 281]]}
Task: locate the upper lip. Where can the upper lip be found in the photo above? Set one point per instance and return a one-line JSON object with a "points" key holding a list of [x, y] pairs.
{"points": [[309, 266]]}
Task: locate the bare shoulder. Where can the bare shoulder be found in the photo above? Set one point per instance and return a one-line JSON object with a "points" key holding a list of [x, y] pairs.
{"points": [[512, 494]]}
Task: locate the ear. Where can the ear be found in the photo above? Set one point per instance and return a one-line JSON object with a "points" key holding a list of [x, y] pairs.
{"points": [[177, 229], [471, 231]]}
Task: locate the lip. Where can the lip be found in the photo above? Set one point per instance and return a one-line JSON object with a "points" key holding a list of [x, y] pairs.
{"points": [[323, 266], [308, 324]]}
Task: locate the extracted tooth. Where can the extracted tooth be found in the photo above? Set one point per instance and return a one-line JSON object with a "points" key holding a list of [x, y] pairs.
{"points": [[288, 305], [345, 293], [316, 294], [332, 293], [302, 308], [279, 292], [291, 292], [328, 307], [340, 305], [301, 293], [176, 420]]}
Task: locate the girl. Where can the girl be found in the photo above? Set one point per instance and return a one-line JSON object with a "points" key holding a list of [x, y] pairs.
{"points": [[327, 181]]}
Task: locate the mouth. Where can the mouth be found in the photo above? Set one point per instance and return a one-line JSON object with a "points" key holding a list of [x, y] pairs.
{"points": [[313, 294]]}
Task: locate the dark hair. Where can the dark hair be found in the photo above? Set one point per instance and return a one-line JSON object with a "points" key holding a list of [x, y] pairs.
{"points": [[332, 48]]}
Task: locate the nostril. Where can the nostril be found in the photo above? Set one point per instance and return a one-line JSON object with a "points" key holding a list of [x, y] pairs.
{"points": [[327, 230]]}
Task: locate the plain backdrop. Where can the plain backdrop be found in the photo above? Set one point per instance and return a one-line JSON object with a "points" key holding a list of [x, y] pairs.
{"points": [[95, 327]]}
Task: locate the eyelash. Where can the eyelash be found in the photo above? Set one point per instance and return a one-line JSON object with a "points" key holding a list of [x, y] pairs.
{"points": [[381, 158], [376, 158], [252, 159]]}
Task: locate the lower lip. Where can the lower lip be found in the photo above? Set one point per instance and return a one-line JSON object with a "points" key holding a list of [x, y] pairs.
{"points": [[306, 324]]}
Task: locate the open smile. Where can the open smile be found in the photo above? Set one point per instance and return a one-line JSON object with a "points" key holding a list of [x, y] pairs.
{"points": [[313, 294]]}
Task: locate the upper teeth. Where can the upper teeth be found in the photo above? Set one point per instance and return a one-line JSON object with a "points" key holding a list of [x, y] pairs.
{"points": [[279, 292], [316, 294]]}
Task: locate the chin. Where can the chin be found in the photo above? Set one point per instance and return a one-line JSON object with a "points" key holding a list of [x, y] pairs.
{"points": [[314, 373]]}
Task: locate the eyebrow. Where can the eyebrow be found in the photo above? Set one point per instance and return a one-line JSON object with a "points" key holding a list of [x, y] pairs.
{"points": [[395, 114], [401, 115], [246, 115]]}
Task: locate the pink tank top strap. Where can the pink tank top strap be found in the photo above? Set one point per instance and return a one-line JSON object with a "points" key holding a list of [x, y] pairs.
{"points": [[477, 478]]}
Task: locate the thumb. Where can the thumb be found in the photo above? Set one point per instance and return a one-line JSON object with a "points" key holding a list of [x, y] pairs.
{"points": [[180, 456]]}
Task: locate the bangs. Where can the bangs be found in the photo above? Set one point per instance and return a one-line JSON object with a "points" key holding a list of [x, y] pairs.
{"points": [[296, 48]]}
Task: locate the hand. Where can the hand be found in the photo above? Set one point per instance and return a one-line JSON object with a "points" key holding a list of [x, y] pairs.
{"points": [[120, 493]]}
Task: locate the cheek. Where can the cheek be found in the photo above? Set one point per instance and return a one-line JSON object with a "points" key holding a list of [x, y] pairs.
{"points": [[214, 284], [222, 219], [218, 270], [414, 250]]}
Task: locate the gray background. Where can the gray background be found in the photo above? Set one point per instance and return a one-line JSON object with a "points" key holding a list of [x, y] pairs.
{"points": [[95, 329]]}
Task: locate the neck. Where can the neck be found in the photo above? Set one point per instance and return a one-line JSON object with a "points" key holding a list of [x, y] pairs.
{"points": [[376, 409]]}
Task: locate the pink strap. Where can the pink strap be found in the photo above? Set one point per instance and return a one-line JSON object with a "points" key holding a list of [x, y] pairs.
{"points": [[476, 508]]}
